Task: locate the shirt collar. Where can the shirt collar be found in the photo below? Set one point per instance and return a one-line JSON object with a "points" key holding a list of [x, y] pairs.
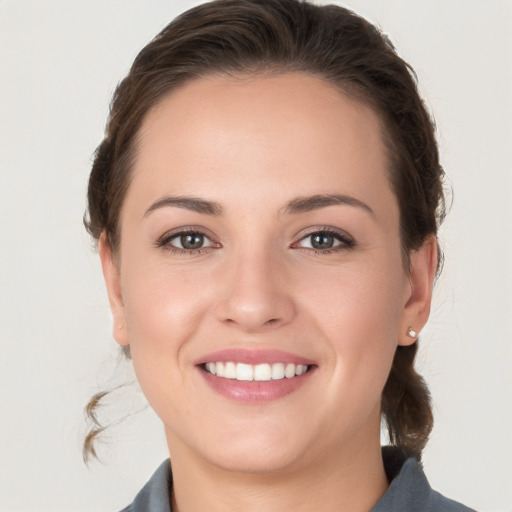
{"points": [[409, 489]]}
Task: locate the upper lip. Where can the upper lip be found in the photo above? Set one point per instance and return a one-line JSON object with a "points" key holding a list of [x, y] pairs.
{"points": [[252, 356]]}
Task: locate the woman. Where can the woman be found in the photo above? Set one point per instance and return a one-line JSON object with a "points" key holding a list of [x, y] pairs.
{"points": [[266, 202]]}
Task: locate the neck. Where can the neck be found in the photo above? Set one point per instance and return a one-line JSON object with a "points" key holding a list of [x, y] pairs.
{"points": [[350, 481]]}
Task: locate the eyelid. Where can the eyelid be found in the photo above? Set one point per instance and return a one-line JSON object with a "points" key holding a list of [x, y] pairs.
{"points": [[164, 240], [347, 240]]}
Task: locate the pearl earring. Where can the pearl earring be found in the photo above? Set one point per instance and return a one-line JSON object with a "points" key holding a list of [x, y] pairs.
{"points": [[412, 333]]}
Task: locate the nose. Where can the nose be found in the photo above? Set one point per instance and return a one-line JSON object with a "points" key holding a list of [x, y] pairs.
{"points": [[256, 294]]}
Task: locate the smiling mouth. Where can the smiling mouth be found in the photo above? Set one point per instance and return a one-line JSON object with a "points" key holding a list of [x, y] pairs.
{"points": [[258, 372]]}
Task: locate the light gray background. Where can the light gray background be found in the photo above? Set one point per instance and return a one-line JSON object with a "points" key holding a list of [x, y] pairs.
{"points": [[59, 64]]}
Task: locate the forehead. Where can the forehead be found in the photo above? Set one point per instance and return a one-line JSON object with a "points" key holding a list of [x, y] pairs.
{"points": [[292, 132]]}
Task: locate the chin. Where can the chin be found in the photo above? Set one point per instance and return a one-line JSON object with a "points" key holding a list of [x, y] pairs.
{"points": [[257, 459], [253, 448]]}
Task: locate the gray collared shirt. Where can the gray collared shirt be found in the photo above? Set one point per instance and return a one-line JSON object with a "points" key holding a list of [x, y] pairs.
{"points": [[409, 490]]}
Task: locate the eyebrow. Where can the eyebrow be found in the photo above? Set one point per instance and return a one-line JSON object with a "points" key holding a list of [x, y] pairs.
{"points": [[188, 203], [296, 205], [310, 203]]}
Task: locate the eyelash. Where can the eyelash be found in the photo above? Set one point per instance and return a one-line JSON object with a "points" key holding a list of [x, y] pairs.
{"points": [[165, 240], [346, 241]]}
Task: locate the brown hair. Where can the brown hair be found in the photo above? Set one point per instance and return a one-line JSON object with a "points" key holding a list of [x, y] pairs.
{"points": [[246, 37]]}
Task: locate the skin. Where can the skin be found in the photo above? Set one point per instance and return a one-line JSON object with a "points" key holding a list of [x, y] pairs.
{"points": [[252, 146]]}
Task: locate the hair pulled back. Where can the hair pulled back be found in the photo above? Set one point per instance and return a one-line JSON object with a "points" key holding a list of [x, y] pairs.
{"points": [[251, 37]]}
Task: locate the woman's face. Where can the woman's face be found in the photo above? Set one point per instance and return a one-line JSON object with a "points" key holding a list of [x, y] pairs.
{"points": [[260, 239]]}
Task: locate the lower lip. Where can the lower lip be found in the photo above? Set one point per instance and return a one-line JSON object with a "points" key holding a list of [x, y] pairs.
{"points": [[255, 391]]}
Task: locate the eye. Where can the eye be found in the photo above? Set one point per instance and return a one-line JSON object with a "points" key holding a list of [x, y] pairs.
{"points": [[326, 240], [186, 241], [189, 241], [322, 241]]}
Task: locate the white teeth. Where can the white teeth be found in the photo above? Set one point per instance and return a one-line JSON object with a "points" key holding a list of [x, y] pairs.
{"points": [[244, 372], [262, 372], [229, 371], [278, 371], [259, 372], [301, 369], [289, 371]]}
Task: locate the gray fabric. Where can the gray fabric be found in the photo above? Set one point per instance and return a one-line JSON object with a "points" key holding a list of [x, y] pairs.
{"points": [[409, 490], [155, 496]]}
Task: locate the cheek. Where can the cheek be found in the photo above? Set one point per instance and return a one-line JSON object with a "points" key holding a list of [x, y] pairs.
{"points": [[365, 298], [163, 308], [359, 315], [163, 314]]}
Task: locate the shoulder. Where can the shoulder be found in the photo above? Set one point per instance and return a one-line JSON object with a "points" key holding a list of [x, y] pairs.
{"points": [[155, 495], [409, 490]]}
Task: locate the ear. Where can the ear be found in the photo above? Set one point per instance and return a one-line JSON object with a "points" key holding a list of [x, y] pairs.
{"points": [[422, 272], [113, 283]]}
